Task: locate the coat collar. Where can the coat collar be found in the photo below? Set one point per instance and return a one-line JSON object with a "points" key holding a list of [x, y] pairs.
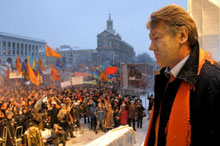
{"points": [[188, 73]]}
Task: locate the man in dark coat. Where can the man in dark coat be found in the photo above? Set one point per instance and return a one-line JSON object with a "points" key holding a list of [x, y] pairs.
{"points": [[92, 107], [187, 92], [132, 112]]}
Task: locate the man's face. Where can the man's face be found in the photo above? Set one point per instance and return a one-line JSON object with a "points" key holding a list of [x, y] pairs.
{"points": [[165, 45]]}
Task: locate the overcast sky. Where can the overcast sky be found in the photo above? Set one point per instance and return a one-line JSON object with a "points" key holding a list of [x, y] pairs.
{"points": [[77, 22]]}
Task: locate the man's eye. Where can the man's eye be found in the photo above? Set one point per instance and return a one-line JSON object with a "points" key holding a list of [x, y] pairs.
{"points": [[156, 38]]}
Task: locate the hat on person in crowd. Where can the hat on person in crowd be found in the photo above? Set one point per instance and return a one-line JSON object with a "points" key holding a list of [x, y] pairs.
{"points": [[132, 101], [116, 100]]}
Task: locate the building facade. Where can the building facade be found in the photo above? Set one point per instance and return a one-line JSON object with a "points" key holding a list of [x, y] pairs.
{"points": [[111, 49], [72, 57], [12, 45]]}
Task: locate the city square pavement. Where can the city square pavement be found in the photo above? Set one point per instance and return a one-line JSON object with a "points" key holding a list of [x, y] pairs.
{"points": [[85, 135]]}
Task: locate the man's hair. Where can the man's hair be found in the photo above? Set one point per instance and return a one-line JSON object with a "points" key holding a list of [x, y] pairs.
{"points": [[175, 17]]}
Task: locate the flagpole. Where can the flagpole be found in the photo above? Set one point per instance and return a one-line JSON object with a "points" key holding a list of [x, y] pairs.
{"points": [[47, 69]]}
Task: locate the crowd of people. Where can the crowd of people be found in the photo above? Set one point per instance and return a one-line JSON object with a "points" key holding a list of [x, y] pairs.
{"points": [[101, 106]]}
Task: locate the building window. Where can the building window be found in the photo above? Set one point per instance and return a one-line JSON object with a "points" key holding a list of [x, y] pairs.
{"points": [[22, 49], [9, 44], [37, 51], [4, 44], [9, 48], [33, 50], [26, 48], [29, 49], [13, 48]]}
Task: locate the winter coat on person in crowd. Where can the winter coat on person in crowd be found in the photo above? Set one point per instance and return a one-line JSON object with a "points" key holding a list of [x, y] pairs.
{"points": [[123, 113]]}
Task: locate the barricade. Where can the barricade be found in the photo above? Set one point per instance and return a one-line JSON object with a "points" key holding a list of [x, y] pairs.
{"points": [[123, 135]]}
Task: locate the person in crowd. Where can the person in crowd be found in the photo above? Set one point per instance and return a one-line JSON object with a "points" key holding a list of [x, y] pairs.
{"points": [[10, 124], [70, 118], [52, 113], [63, 119], [138, 99], [92, 107], [33, 136], [140, 113], [116, 117], [85, 110], [100, 116], [76, 112], [58, 135], [123, 113], [132, 112], [187, 87], [108, 116]]}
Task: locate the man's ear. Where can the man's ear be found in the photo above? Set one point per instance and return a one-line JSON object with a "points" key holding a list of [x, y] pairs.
{"points": [[183, 37]]}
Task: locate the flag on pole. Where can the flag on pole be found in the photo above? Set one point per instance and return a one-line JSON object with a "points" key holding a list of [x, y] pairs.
{"points": [[110, 70], [42, 68], [32, 76], [103, 77], [18, 65], [31, 61], [51, 52], [54, 73]]}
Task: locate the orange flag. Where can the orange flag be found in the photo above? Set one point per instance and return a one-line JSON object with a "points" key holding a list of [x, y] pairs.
{"points": [[42, 68], [51, 52], [110, 70], [7, 72], [103, 77], [18, 65], [54, 73], [32, 76]]}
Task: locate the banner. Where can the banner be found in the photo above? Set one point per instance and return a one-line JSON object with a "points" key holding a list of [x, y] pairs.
{"points": [[110, 70], [81, 74], [92, 82], [77, 80], [14, 75], [65, 84]]}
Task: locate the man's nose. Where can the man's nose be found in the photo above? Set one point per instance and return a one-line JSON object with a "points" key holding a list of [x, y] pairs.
{"points": [[152, 46]]}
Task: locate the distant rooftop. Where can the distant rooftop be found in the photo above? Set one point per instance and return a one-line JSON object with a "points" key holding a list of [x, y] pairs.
{"points": [[21, 37], [73, 49]]}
